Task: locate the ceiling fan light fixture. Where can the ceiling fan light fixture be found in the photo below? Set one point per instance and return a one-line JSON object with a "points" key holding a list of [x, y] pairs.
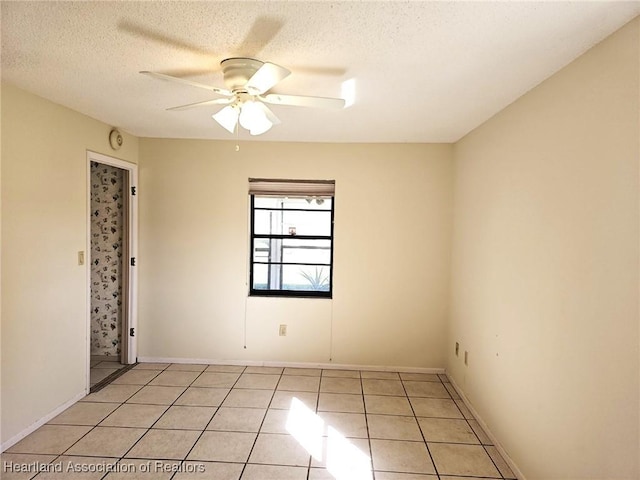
{"points": [[228, 117], [262, 128], [253, 118]]}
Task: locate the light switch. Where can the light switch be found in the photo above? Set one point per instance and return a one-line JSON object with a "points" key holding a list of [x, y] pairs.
{"points": [[81, 258]]}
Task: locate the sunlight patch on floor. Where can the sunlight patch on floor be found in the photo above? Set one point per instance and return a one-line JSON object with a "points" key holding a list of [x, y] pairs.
{"points": [[306, 427], [343, 459]]}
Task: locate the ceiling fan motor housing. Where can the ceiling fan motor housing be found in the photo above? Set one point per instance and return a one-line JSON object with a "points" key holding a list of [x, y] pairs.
{"points": [[238, 71]]}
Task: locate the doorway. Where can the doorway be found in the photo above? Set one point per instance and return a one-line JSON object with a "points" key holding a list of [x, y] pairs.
{"points": [[111, 269]]}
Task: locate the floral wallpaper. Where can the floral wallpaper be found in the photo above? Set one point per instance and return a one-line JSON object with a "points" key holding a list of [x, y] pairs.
{"points": [[107, 228]]}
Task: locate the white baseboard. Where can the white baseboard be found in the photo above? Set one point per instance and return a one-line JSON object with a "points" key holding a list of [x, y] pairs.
{"points": [[34, 426], [254, 363], [514, 468]]}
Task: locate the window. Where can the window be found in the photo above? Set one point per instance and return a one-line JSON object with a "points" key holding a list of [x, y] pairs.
{"points": [[291, 237]]}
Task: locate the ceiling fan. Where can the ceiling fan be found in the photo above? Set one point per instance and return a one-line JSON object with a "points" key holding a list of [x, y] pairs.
{"points": [[247, 83]]}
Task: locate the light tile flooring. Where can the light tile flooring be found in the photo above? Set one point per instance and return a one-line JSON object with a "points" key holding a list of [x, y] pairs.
{"points": [[179, 421], [102, 367]]}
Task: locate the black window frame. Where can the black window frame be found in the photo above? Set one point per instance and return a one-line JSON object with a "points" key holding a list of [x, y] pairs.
{"points": [[258, 292]]}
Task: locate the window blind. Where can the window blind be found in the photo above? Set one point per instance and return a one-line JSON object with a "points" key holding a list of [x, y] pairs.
{"points": [[292, 188]]}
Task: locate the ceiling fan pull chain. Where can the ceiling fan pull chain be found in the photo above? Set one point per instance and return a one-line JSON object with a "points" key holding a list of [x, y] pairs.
{"points": [[237, 136]]}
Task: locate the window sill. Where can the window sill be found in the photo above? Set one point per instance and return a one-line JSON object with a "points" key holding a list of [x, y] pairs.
{"points": [[290, 294]]}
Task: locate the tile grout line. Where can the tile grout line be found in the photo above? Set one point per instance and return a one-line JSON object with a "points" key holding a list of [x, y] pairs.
{"points": [[124, 403], [212, 417], [167, 409], [315, 410], [120, 459], [261, 423], [366, 423], [484, 447], [182, 462], [96, 426], [415, 417]]}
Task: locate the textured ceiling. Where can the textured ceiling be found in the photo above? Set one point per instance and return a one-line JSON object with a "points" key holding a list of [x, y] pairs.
{"points": [[423, 71]]}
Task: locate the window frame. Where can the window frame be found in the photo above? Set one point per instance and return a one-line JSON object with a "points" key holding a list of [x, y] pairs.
{"points": [[255, 292]]}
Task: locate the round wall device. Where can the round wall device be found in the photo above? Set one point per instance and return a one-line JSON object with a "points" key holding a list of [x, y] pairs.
{"points": [[115, 139]]}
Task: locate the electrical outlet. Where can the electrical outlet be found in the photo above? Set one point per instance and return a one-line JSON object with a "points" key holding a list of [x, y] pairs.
{"points": [[466, 357], [457, 348], [283, 331]]}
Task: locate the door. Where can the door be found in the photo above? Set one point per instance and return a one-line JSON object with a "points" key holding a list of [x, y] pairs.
{"points": [[111, 272]]}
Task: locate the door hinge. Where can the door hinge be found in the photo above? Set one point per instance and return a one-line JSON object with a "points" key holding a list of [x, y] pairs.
{"points": [[132, 332], [133, 190], [133, 261]]}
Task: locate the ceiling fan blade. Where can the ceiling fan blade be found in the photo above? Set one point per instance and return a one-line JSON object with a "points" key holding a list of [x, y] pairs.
{"points": [[302, 101], [162, 38], [228, 117], [188, 72], [269, 114], [162, 76], [268, 75], [263, 30], [217, 101], [317, 70]]}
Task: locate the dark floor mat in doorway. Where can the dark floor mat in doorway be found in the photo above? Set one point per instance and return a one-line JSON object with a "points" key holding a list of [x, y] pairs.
{"points": [[107, 380]]}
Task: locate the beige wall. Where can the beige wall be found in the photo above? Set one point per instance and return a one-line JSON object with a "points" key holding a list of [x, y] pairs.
{"points": [[545, 269], [44, 225], [392, 241]]}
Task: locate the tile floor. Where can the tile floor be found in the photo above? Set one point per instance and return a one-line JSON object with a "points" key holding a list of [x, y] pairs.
{"points": [[102, 367], [179, 421]]}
